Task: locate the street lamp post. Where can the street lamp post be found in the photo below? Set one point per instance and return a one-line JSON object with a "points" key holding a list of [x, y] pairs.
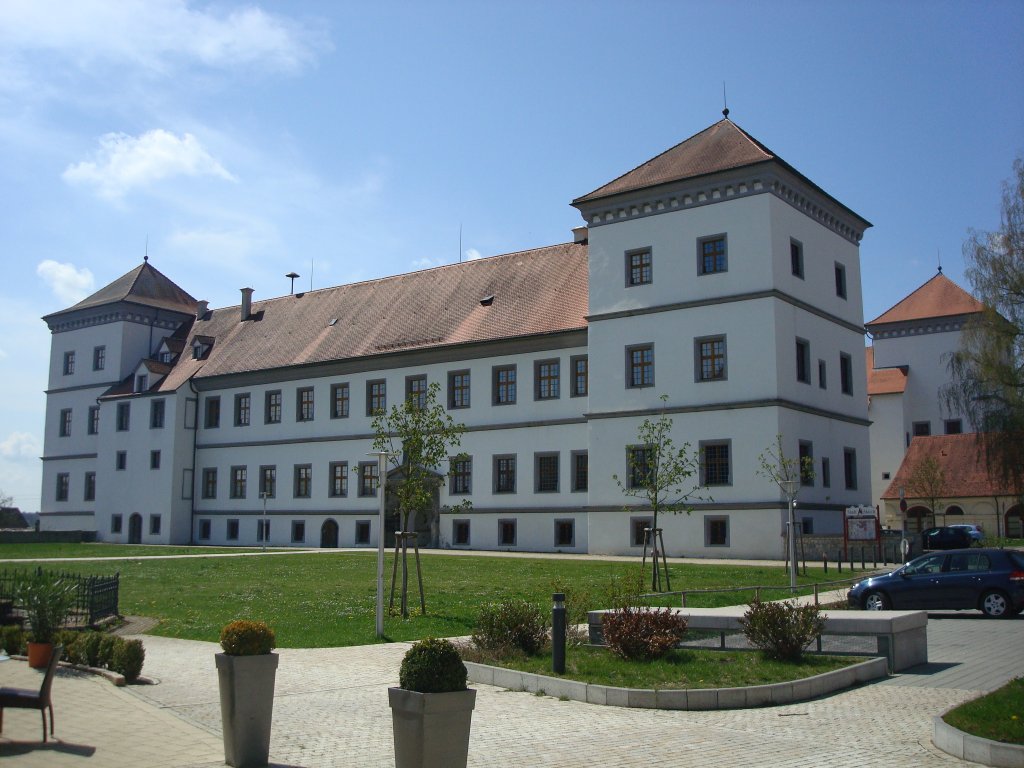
{"points": [[263, 495], [789, 487]]}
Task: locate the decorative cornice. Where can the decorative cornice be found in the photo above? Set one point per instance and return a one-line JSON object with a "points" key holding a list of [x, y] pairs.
{"points": [[70, 457], [123, 312], [731, 406], [950, 324]]}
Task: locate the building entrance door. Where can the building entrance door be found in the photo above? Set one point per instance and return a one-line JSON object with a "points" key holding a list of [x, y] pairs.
{"points": [[329, 535], [135, 529]]}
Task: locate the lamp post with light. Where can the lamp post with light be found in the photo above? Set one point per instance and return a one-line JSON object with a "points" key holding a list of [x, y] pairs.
{"points": [[789, 487]]}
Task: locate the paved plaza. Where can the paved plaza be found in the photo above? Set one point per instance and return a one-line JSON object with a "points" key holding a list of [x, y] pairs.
{"points": [[331, 710]]}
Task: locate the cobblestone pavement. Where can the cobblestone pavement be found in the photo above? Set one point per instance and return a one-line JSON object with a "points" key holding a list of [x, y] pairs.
{"points": [[331, 710]]}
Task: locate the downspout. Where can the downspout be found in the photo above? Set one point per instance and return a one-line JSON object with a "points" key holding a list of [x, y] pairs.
{"points": [[192, 504]]}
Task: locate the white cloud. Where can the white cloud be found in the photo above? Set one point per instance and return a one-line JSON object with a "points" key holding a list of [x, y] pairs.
{"points": [[20, 445], [124, 162], [153, 34], [68, 283], [472, 254]]}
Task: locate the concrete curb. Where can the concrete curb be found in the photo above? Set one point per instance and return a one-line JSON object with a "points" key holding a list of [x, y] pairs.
{"points": [[116, 678], [684, 699], [955, 742]]}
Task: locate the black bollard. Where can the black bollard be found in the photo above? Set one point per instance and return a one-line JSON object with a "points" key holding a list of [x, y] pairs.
{"points": [[558, 633]]}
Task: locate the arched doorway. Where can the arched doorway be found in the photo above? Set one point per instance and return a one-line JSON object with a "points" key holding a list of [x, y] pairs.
{"points": [[135, 529], [1014, 522], [329, 535], [919, 518]]}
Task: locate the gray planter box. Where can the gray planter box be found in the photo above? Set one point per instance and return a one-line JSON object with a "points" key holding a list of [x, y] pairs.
{"points": [[246, 707], [431, 729]]}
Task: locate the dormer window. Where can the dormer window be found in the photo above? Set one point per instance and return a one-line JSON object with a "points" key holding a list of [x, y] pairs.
{"points": [[201, 346], [165, 357], [141, 383]]}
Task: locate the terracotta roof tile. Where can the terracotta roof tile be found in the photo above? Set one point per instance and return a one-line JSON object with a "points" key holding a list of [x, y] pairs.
{"points": [[884, 381], [144, 285], [939, 297], [962, 463]]}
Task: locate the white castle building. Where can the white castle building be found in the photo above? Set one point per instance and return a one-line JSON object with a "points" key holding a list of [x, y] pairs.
{"points": [[714, 274]]}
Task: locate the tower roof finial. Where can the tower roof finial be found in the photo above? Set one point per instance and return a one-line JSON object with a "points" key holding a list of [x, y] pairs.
{"points": [[725, 102]]}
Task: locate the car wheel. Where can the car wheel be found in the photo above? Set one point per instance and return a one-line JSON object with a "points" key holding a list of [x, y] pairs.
{"points": [[876, 601], [995, 605]]}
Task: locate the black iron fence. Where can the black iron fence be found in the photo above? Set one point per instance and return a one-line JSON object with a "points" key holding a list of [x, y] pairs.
{"points": [[95, 597]]}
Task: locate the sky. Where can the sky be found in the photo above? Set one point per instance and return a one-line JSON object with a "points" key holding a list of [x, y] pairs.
{"points": [[234, 142]]}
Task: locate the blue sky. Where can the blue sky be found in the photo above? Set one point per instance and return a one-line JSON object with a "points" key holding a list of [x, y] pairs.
{"points": [[242, 141]]}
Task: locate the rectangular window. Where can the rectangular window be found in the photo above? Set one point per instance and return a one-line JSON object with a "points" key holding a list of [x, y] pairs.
{"points": [[416, 391], [822, 380], [263, 530], [796, 259], [716, 531], [212, 411], [580, 376], [268, 481], [238, 478], [710, 358], [826, 472], [94, 420], [154, 459], [547, 379], [63, 485], [121, 460], [953, 426], [368, 478], [803, 361], [90, 487], [298, 531], [243, 407], [141, 383], [210, 483], [376, 397], [807, 526], [638, 267], [156, 414], [580, 470], [504, 474], [921, 428], [850, 468], [99, 358], [232, 530], [638, 465], [339, 479], [640, 366], [461, 476], [272, 407], [504, 385], [115, 523], [124, 416], [65, 422], [458, 389], [460, 533], [339, 401], [362, 531], [205, 530], [69, 363], [154, 525], [565, 533], [639, 530], [304, 404], [805, 450], [840, 281], [715, 462], [712, 255], [545, 472], [846, 373], [303, 481], [506, 533]]}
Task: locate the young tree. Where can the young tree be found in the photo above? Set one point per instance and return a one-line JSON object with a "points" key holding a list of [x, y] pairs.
{"points": [[789, 474], [988, 370], [419, 436], [927, 481], [660, 474]]}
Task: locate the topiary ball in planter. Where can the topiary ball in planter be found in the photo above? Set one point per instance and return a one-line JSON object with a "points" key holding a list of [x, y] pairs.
{"points": [[432, 665], [247, 638]]}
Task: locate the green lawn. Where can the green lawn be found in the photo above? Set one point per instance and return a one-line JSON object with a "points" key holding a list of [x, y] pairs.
{"points": [[324, 600], [27, 551], [998, 715]]}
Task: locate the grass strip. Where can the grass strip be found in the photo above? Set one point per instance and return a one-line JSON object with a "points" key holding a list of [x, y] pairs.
{"points": [[998, 715]]}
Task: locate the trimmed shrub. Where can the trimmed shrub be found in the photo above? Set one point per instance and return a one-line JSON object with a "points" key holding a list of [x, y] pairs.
{"points": [[14, 639], [432, 666], [247, 638], [782, 630], [642, 633], [72, 642], [129, 656], [90, 643], [511, 624], [105, 650]]}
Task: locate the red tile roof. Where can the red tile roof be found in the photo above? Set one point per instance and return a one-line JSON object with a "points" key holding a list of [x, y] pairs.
{"points": [[962, 461], [535, 292], [144, 285], [884, 381], [939, 297]]}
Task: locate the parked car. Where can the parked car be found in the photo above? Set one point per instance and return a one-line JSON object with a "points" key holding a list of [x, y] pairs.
{"points": [[945, 537], [989, 580], [973, 531]]}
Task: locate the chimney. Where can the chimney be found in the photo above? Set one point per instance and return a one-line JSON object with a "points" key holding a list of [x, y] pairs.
{"points": [[580, 234], [201, 308], [246, 303]]}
